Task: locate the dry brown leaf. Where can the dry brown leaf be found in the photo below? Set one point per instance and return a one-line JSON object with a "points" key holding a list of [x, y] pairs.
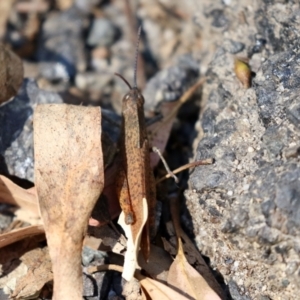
{"points": [[11, 73], [181, 274], [38, 274], [20, 234], [69, 176], [193, 257], [13, 194], [156, 290]]}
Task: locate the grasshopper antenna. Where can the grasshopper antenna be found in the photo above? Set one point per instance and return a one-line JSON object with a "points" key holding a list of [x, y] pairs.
{"points": [[135, 63], [127, 83], [136, 57]]}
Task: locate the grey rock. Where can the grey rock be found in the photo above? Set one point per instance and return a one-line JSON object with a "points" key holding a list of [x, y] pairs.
{"points": [[219, 18], [3, 296], [91, 81], [235, 293], [96, 287], [102, 33], [258, 46], [87, 5], [253, 186], [16, 129], [5, 217], [233, 47], [89, 287], [89, 255], [61, 48], [170, 83]]}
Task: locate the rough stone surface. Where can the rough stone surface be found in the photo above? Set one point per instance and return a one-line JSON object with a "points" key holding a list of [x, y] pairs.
{"points": [[16, 129], [170, 83], [246, 206]]}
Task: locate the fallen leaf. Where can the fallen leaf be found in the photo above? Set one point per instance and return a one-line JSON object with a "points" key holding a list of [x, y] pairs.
{"points": [[192, 255], [182, 275], [69, 175], [13, 194], [194, 258], [20, 234], [38, 274], [156, 290], [11, 73]]}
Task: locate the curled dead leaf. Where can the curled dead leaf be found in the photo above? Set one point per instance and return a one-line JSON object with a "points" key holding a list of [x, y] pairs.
{"points": [[13, 194], [157, 290], [182, 276], [20, 234]]}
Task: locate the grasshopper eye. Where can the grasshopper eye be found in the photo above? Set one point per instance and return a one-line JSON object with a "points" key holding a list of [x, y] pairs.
{"points": [[141, 98]]}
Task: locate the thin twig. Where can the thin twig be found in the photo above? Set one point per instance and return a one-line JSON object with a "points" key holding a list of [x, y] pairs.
{"points": [[103, 268], [184, 167], [170, 173]]}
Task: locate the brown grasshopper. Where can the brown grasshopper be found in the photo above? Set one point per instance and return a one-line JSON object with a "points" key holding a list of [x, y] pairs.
{"points": [[135, 180], [136, 187]]}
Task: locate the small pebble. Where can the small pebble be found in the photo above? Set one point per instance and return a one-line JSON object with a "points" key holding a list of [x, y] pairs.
{"points": [[103, 33], [250, 149]]}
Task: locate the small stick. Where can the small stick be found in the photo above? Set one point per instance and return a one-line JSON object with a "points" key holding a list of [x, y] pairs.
{"points": [[194, 164], [103, 268], [170, 173]]}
